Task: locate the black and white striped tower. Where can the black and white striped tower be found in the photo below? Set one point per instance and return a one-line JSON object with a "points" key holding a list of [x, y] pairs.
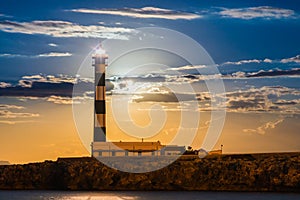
{"points": [[100, 62]]}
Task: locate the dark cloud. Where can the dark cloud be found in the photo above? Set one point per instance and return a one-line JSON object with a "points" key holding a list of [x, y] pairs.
{"points": [[146, 78], [241, 104], [164, 97], [47, 86], [263, 73], [265, 99], [38, 89], [287, 102]]}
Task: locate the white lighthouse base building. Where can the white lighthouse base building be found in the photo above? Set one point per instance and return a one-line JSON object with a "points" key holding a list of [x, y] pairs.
{"points": [[107, 149]]}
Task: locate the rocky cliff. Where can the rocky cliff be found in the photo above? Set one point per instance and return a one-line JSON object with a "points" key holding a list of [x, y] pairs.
{"points": [[253, 172]]}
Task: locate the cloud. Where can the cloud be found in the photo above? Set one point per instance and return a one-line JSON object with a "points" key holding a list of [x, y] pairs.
{"points": [[130, 81], [263, 12], [4, 85], [52, 45], [287, 102], [164, 97], [150, 92], [193, 74], [278, 72], [246, 101], [295, 59], [8, 114], [8, 55], [275, 99], [145, 12], [65, 29], [187, 67], [7, 122], [46, 86], [56, 89], [265, 127], [49, 79], [265, 99], [54, 54], [60, 100], [191, 78], [241, 62], [263, 73], [44, 55], [67, 100], [5, 16], [8, 106], [267, 60], [253, 100]]}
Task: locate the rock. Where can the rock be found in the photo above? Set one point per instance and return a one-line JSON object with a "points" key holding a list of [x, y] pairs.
{"points": [[251, 172]]}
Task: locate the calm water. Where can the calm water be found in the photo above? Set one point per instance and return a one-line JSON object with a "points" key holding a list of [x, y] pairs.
{"points": [[54, 195]]}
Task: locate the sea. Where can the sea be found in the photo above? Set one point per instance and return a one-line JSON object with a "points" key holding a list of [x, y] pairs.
{"points": [[133, 195]]}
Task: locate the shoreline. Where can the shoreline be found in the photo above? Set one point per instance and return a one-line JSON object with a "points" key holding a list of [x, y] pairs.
{"points": [[270, 172], [146, 191]]}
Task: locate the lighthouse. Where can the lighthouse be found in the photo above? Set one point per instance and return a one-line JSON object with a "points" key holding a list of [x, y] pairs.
{"points": [[100, 63], [100, 146]]}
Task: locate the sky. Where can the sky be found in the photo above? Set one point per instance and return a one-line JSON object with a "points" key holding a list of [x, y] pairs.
{"points": [[46, 48]]}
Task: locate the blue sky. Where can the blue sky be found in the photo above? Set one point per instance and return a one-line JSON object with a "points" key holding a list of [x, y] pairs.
{"points": [[225, 37]]}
